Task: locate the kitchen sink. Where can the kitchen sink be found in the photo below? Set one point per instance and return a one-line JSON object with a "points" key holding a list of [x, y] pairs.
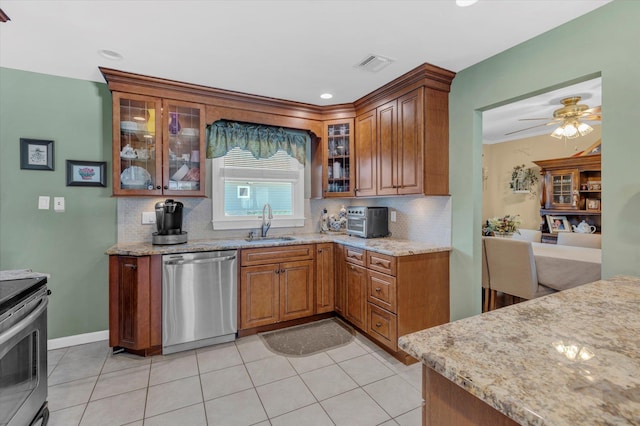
{"points": [[269, 239]]}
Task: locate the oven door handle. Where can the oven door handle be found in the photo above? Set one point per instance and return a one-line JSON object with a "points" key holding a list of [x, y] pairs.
{"points": [[24, 323]]}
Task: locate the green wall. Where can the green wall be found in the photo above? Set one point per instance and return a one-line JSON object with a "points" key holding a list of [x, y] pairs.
{"points": [[70, 246], [603, 42]]}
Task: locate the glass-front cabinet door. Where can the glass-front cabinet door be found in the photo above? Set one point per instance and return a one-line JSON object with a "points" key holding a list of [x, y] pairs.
{"points": [[562, 189], [183, 149], [158, 146], [338, 169], [137, 159]]}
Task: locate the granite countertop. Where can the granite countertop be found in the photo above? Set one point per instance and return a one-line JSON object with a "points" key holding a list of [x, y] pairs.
{"points": [[390, 246], [20, 274], [570, 358]]}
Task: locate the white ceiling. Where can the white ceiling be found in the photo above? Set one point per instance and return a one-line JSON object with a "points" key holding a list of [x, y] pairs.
{"points": [[293, 50]]}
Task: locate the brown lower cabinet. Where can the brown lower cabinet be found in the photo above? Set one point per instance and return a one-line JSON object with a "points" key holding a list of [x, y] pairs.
{"points": [[272, 291], [135, 303]]}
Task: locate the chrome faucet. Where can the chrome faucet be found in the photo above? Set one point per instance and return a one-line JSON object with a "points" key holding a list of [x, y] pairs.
{"points": [[266, 225]]}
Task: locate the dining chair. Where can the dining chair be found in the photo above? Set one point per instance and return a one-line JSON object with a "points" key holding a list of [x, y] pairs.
{"points": [[579, 240], [532, 235], [512, 269], [486, 288]]}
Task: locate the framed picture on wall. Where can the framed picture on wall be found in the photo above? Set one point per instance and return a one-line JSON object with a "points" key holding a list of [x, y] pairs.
{"points": [[86, 173], [36, 154], [558, 224]]}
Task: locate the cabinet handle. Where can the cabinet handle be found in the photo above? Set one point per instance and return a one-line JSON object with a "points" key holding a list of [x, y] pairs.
{"points": [[277, 271], [319, 250], [356, 190], [158, 187], [378, 324], [166, 187], [378, 289], [282, 271], [131, 265]]}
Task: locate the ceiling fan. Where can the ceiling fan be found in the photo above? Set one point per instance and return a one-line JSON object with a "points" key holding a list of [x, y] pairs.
{"points": [[570, 118]]}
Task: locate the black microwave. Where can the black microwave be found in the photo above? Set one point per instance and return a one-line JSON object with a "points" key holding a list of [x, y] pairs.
{"points": [[368, 222]]}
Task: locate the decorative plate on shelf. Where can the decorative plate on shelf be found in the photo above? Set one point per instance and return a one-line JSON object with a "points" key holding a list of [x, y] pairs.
{"points": [[135, 176]]}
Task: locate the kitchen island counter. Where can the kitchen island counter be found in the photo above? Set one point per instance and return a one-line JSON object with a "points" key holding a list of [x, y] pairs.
{"points": [[389, 246], [569, 358]]}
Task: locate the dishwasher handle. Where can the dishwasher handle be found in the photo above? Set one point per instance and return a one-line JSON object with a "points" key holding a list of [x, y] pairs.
{"points": [[208, 260]]}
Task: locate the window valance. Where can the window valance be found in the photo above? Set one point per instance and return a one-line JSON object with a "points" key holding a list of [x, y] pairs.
{"points": [[261, 141]]}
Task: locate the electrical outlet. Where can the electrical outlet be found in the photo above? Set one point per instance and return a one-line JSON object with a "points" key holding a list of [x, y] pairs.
{"points": [[58, 204], [393, 215], [43, 202], [148, 218]]}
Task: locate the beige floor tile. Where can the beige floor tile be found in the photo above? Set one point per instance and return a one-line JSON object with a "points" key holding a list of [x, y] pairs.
{"points": [[328, 381], [218, 357], [302, 364], [115, 410], [90, 350], [285, 395], [349, 351], [121, 381], [224, 382], [173, 369], [394, 395], [252, 348], [70, 393], [412, 418], [67, 417], [354, 408], [75, 370], [311, 415], [365, 369], [269, 370], [193, 415], [173, 395], [124, 360], [238, 409]]}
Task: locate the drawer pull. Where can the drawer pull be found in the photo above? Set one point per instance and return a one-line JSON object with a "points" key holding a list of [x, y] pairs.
{"points": [[378, 324], [378, 289], [131, 265], [379, 263]]}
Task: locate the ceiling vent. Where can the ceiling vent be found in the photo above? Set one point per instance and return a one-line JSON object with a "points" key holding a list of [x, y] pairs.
{"points": [[374, 63]]}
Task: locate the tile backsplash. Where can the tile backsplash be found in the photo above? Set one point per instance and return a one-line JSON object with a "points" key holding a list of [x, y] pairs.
{"points": [[419, 218]]}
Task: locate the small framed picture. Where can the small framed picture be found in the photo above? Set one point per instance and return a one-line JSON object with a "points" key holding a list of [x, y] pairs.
{"points": [[244, 191], [86, 173], [36, 154], [593, 204], [558, 224], [594, 185]]}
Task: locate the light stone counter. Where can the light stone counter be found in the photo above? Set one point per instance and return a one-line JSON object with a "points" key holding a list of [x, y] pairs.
{"points": [[390, 246], [571, 358]]}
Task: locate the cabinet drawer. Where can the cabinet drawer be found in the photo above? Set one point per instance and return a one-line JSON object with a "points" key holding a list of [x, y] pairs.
{"points": [[266, 255], [381, 263], [355, 256], [383, 327], [381, 290]]}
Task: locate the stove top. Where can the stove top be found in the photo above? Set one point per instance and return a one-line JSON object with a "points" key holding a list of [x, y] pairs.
{"points": [[13, 291]]}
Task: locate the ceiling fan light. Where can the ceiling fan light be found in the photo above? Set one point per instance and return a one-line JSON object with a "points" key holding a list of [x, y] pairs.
{"points": [[558, 133], [570, 131], [584, 129]]}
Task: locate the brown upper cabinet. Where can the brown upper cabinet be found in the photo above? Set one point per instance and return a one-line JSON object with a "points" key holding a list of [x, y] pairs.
{"points": [[158, 146], [393, 141]]}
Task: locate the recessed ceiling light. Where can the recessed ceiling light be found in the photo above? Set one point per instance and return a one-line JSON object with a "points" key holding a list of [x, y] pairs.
{"points": [[465, 3], [326, 96], [110, 54]]}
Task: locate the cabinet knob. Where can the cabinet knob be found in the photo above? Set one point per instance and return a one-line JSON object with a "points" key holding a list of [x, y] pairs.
{"points": [[277, 271], [378, 324], [165, 187], [378, 289], [282, 271], [158, 187]]}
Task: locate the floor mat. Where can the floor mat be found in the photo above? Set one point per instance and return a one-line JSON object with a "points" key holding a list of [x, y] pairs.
{"points": [[308, 339]]}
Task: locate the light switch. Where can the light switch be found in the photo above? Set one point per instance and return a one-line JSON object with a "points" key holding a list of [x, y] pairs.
{"points": [[148, 218], [58, 204], [393, 215], [43, 202]]}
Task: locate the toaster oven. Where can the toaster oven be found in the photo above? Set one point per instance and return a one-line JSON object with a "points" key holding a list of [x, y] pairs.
{"points": [[368, 222]]}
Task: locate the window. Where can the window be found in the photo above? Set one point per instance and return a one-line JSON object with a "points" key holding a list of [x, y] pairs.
{"points": [[243, 184]]}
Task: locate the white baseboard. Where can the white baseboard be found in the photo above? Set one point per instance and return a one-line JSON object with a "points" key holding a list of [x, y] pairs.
{"points": [[78, 339]]}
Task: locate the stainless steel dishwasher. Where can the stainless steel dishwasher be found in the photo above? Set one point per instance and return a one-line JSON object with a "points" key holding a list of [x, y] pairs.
{"points": [[199, 299]]}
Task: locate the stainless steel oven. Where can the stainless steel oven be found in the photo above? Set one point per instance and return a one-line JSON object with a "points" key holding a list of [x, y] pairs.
{"points": [[23, 352], [368, 222]]}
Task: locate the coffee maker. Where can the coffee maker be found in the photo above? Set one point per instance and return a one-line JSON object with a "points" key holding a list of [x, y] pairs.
{"points": [[169, 223]]}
